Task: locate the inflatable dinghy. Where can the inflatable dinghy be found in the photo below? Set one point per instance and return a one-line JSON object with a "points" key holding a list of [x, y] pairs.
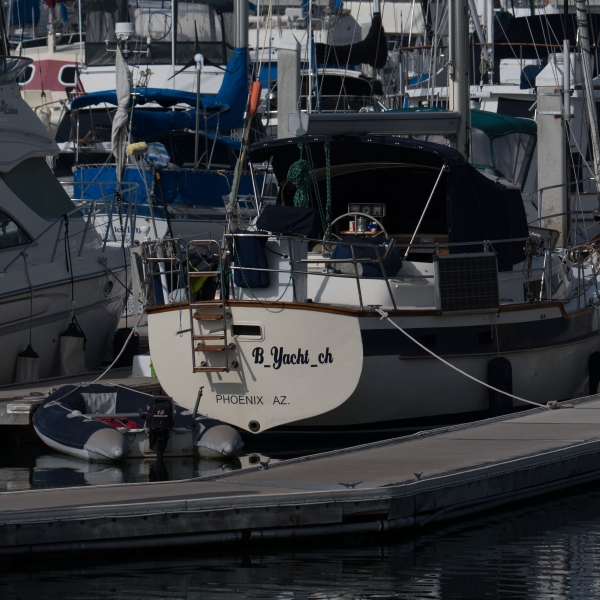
{"points": [[109, 423]]}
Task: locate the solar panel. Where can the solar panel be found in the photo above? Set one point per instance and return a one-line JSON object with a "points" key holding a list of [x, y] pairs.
{"points": [[466, 283]]}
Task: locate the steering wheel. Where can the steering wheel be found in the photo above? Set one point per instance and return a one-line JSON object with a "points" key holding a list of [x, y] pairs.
{"points": [[391, 241]]}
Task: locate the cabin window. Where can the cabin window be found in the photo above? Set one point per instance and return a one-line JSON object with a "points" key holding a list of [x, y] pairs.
{"points": [[27, 75], [66, 75], [10, 233], [34, 184], [512, 154], [481, 152]]}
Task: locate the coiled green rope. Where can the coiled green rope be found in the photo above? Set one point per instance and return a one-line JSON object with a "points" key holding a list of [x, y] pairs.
{"points": [[298, 174]]}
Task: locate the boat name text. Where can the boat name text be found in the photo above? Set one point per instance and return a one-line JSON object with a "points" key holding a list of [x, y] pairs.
{"points": [[301, 357], [8, 109]]}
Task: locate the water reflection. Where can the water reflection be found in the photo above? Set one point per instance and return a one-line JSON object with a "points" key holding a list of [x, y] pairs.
{"points": [[38, 468], [548, 550]]}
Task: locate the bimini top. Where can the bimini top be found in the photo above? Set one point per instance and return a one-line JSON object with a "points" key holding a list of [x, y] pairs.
{"points": [[401, 173]]}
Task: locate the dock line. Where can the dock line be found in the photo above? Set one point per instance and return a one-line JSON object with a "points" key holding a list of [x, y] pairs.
{"points": [[112, 364], [549, 406]]}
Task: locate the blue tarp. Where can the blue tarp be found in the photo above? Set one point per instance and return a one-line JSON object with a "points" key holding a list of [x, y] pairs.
{"points": [[199, 188], [165, 98]]}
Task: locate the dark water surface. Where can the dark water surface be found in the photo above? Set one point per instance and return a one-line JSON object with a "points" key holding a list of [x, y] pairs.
{"points": [[548, 550]]}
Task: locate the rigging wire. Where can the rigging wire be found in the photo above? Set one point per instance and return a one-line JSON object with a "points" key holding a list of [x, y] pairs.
{"points": [[348, 61]]}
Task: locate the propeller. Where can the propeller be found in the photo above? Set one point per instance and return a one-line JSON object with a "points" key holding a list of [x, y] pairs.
{"points": [[192, 62]]}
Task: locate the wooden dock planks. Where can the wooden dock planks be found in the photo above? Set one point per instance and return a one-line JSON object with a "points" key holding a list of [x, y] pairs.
{"points": [[462, 469]]}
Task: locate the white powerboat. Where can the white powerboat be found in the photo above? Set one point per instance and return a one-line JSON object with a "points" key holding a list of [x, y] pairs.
{"points": [[55, 268]]}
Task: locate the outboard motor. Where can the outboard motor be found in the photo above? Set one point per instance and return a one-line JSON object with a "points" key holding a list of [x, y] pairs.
{"points": [[160, 415]]}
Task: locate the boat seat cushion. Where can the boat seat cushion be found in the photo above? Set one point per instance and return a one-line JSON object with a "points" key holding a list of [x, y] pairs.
{"points": [[103, 403]]}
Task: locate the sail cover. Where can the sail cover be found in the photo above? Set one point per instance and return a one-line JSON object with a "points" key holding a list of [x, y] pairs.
{"points": [[119, 126]]}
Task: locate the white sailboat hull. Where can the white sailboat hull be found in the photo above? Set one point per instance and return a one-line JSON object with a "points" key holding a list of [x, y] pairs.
{"points": [[355, 376]]}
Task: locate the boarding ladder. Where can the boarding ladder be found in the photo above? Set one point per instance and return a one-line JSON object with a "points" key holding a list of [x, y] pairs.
{"points": [[208, 319]]}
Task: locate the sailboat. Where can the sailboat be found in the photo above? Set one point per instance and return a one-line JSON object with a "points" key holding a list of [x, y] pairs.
{"points": [[391, 285]]}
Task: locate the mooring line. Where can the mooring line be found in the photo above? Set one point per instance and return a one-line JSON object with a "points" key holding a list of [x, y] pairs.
{"points": [[549, 406]]}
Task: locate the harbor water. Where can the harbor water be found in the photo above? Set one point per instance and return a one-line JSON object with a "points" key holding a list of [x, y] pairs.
{"points": [[541, 550]]}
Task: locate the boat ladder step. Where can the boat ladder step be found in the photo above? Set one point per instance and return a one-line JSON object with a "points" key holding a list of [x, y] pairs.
{"points": [[204, 274], [202, 243], [210, 369], [216, 336], [213, 348], [206, 317]]}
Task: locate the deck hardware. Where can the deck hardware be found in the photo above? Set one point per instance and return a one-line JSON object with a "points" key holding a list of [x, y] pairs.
{"points": [[418, 475], [265, 464], [350, 486]]}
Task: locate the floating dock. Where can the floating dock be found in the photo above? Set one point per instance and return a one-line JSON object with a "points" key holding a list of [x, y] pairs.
{"points": [[405, 482]]}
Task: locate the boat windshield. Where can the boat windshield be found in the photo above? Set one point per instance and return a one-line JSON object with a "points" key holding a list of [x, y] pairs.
{"points": [[34, 184], [153, 41], [503, 145]]}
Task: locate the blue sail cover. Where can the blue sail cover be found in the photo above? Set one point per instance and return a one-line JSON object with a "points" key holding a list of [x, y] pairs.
{"points": [[225, 110], [141, 96], [194, 188], [233, 92]]}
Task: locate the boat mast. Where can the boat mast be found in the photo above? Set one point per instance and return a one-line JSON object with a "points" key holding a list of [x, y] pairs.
{"points": [[588, 86], [458, 72]]}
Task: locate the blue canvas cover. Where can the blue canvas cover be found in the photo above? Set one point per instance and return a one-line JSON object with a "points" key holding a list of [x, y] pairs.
{"points": [[199, 188], [163, 97], [233, 92], [225, 110]]}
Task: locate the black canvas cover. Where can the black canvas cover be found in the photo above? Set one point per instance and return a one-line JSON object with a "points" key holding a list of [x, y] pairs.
{"points": [[249, 252], [479, 209], [289, 220], [466, 206]]}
